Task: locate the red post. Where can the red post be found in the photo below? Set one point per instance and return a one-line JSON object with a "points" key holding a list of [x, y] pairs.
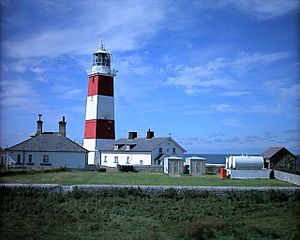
{"points": [[223, 173]]}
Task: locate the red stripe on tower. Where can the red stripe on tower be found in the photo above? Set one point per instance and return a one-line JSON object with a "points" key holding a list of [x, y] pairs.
{"points": [[99, 117], [99, 128], [101, 85]]}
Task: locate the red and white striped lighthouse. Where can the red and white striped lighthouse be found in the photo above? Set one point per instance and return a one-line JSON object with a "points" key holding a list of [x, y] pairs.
{"points": [[99, 116]]}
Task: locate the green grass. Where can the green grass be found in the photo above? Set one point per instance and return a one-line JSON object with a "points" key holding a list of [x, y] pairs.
{"points": [[128, 214], [89, 177]]}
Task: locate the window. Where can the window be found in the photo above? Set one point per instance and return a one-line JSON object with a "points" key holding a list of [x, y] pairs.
{"points": [[141, 162], [18, 158], [127, 147], [167, 149], [45, 158], [105, 159], [30, 158], [160, 150], [127, 160], [174, 150], [116, 147], [116, 159]]}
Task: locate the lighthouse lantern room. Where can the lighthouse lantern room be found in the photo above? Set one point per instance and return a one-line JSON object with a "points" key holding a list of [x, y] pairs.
{"points": [[99, 116]]}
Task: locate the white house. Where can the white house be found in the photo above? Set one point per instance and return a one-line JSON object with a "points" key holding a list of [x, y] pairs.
{"points": [[140, 151], [48, 149]]}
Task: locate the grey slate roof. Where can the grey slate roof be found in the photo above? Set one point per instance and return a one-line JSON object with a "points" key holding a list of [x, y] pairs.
{"points": [[270, 152], [138, 144], [48, 142]]}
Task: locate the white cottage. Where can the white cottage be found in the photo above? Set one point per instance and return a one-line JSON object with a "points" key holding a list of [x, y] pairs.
{"points": [[140, 151], [48, 149]]}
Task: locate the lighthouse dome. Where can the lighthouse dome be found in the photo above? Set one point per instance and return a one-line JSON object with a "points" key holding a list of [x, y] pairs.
{"points": [[101, 62]]}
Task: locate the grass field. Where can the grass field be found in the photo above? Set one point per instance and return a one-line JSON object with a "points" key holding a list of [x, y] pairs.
{"points": [[124, 214], [90, 177]]}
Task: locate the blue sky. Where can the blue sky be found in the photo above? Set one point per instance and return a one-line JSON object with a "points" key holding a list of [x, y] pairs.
{"points": [[219, 76]]}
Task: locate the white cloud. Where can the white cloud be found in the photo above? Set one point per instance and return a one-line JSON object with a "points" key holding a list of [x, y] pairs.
{"points": [[266, 9], [220, 72], [232, 122], [124, 24], [236, 93], [257, 9], [282, 88], [65, 92], [17, 94], [37, 70], [223, 108]]}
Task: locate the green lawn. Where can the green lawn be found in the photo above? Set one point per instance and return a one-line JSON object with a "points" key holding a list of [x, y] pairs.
{"points": [[90, 177]]}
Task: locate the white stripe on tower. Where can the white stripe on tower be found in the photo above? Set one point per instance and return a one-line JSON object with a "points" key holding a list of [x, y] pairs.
{"points": [[99, 118]]}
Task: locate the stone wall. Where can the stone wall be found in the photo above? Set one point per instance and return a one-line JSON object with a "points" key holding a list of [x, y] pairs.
{"points": [[287, 177], [149, 190]]}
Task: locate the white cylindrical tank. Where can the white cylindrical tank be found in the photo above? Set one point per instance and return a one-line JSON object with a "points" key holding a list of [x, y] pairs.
{"points": [[246, 162]]}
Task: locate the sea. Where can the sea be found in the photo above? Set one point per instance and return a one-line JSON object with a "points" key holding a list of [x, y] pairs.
{"points": [[210, 158]]}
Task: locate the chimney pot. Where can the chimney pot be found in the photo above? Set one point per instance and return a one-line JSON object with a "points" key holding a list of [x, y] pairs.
{"points": [[150, 134], [39, 127], [132, 135], [62, 129]]}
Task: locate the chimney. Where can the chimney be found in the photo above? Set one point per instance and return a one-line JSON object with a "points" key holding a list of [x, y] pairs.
{"points": [[62, 126], [39, 127], [132, 135], [150, 134]]}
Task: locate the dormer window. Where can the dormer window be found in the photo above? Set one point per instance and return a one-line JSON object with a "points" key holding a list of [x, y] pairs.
{"points": [[116, 147], [129, 146]]}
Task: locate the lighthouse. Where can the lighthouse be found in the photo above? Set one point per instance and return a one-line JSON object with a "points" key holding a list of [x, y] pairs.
{"points": [[99, 116]]}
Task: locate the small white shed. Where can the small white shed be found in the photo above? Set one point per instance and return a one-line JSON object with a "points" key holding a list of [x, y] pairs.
{"points": [[196, 165], [173, 165]]}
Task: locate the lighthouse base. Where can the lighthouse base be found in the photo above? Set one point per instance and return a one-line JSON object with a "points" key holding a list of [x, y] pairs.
{"points": [[94, 146]]}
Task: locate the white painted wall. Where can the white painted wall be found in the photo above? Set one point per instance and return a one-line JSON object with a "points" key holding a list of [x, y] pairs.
{"points": [[56, 159], [99, 107], [246, 174], [94, 157], [108, 159], [167, 148], [94, 145]]}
